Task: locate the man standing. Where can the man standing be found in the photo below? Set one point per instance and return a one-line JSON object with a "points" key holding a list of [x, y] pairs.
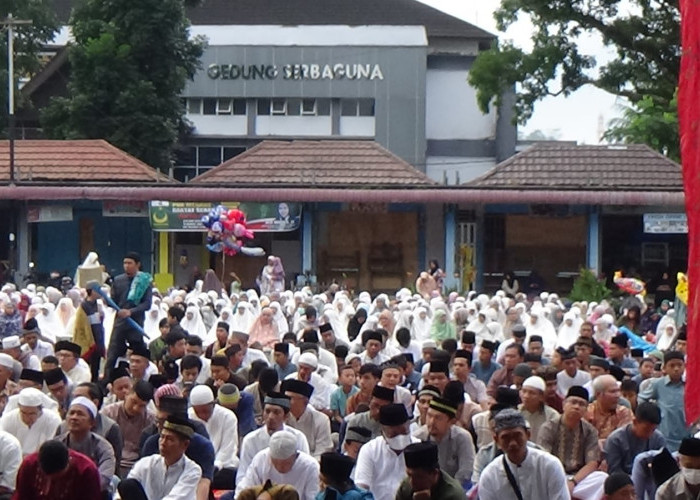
{"points": [[132, 416], [169, 474], [574, 442], [283, 463], [222, 426], [669, 393], [79, 437], [523, 472], [305, 418], [132, 293], [455, 445], [57, 472], [380, 463], [624, 444], [425, 477]]}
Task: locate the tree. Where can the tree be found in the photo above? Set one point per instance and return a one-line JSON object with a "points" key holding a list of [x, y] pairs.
{"points": [[29, 41], [587, 287], [648, 123], [129, 65], [644, 33]]}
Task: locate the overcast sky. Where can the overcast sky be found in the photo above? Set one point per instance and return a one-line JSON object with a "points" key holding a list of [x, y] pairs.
{"points": [[576, 117]]}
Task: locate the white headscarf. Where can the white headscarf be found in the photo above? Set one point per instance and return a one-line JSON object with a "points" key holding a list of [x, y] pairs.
{"points": [[195, 324], [152, 320], [241, 322], [49, 323], [568, 333], [420, 328]]}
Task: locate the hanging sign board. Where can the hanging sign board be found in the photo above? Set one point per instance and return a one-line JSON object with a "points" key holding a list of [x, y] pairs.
{"points": [[666, 223], [185, 216]]}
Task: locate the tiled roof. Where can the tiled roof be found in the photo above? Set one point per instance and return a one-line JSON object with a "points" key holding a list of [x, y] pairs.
{"points": [[319, 12], [316, 164], [568, 166], [78, 161]]}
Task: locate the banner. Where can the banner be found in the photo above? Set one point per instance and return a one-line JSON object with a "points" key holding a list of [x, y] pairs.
{"points": [[689, 124], [185, 216]]}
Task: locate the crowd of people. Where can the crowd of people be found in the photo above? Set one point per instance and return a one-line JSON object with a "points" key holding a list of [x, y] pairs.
{"points": [[198, 394]]}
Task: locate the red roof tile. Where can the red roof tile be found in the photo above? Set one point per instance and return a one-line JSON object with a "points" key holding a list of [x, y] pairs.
{"points": [[315, 164], [79, 161], [568, 166]]}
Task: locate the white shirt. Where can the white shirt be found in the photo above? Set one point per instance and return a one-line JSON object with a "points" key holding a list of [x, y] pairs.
{"points": [[41, 350], [316, 427], [379, 469], [258, 440], [48, 403], [377, 360], [32, 437], [10, 459], [177, 482], [326, 358], [254, 355], [321, 398], [303, 476], [541, 475], [204, 372], [79, 374], [222, 427], [564, 382]]}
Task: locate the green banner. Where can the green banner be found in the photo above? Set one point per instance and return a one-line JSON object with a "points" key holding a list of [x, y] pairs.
{"points": [[186, 216]]}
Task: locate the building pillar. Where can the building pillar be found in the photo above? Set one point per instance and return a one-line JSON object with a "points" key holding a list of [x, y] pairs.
{"points": [[480, 252], [307, 240], [22, 243], [163, 277], [450, 246], [593, 246]]}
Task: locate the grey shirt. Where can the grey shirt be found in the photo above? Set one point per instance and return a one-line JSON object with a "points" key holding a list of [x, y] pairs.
{"points": [[99, 451], [622, 446], [455, 451]]}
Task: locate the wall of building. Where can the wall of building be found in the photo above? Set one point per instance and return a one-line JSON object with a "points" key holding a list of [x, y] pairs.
{"points": [[394, 77], [58, 244]]}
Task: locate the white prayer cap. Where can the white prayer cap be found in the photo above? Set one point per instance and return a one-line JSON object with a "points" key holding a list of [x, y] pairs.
{"points": [[7, 361], [11, 342], [283, 444], [350, 357], [30, 397], [201, 395], [429, 344], [83, 401], [308, 359], [535, 382]]}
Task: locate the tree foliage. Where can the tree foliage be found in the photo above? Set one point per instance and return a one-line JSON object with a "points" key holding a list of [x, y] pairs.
{"points": [[29, 41], [587, 287], [645, 35], [648, 123], [129, 63]]}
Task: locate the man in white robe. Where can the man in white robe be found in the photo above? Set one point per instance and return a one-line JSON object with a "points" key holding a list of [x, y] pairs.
{"points": [[30, 423], [275, 410], [380, 464], [169, 474], [283, 463], [535, 473], [222, 427]]}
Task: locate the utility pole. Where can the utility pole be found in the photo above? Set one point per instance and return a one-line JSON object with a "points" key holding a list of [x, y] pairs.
{"points": [[11, 22]]}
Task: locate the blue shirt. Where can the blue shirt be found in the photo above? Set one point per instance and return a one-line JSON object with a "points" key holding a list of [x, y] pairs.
{"points": [[287, 370], [622, 446], [339, 400], [670, 398], [484, 373], [630, 365], [245, 415], [200, 451]]}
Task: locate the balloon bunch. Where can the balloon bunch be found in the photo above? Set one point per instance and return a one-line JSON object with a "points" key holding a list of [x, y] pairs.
{"points": [[632, 286], [226, 231]]}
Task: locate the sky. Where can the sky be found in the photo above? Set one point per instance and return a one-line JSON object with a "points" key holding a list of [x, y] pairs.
{"points": [[573, 118]]}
